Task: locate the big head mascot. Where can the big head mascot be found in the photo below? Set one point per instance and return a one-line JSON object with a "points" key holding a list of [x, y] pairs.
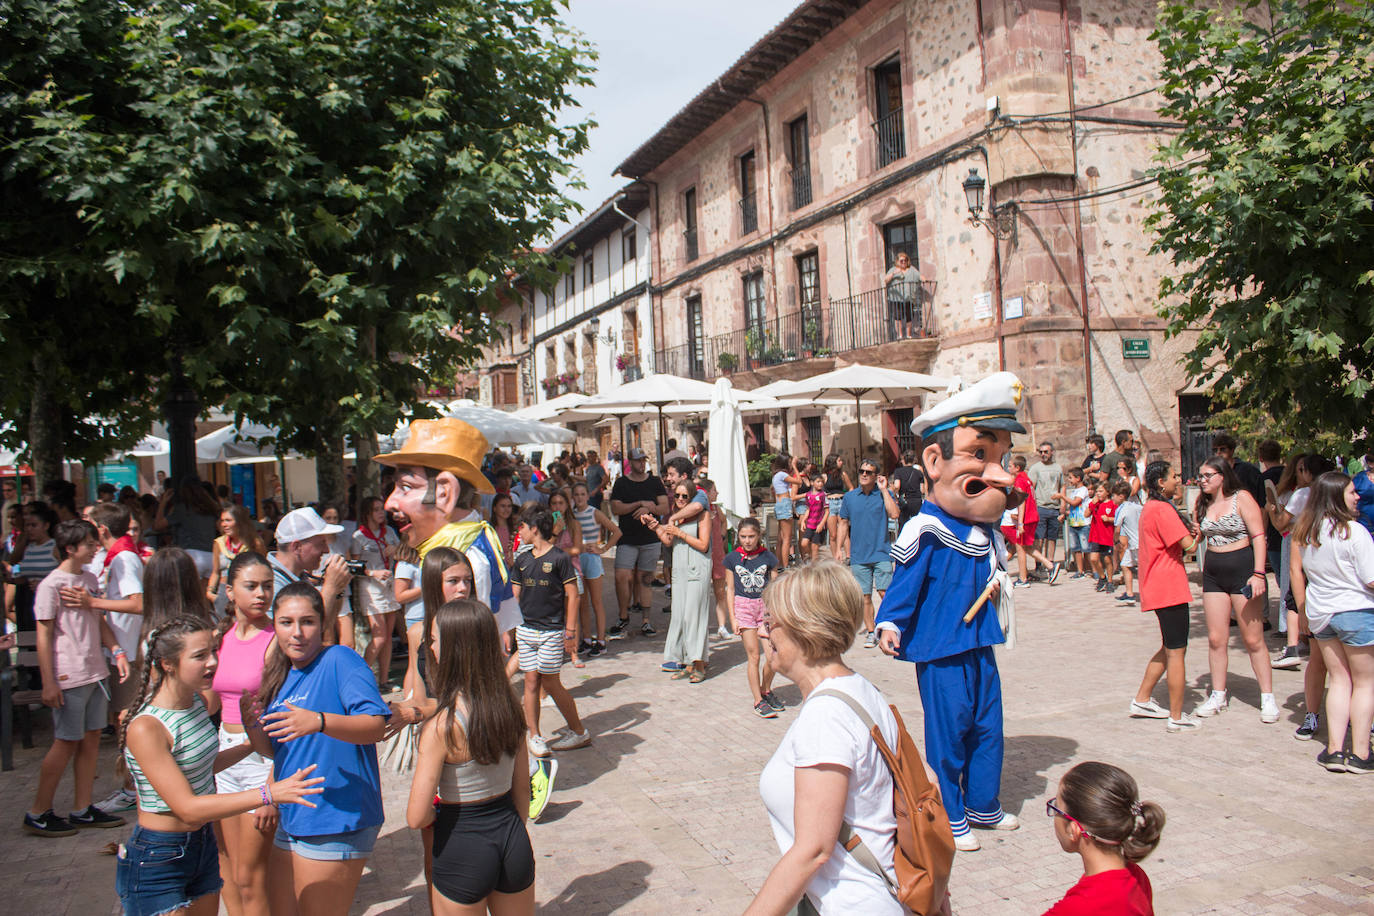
{"points": [[438, 480], [945, 561]]}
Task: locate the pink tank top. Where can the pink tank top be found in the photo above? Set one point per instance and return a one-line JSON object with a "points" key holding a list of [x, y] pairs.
{"points": [[240, 671]]}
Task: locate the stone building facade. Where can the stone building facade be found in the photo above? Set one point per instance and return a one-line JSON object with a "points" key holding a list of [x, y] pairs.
{"points": [[781, 195]]}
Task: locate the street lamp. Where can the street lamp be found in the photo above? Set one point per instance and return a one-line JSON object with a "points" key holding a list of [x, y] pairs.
{"points": [[593, 329], [1001, 222]]}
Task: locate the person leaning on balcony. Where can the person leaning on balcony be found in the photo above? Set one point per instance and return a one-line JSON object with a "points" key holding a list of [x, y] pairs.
{"points": [[903, 284]]}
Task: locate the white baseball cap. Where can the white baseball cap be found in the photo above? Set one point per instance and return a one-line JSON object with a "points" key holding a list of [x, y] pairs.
{"points": [[299, 524]]}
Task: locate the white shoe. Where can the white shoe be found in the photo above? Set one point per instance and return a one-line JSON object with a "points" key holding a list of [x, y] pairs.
{"points": [[1269, 710], [1007, 821], [723, 633], [1216, 701], [572, 741], [538, 746], [967, 843], [1186, 723], [1148, 710], [121, 800]]}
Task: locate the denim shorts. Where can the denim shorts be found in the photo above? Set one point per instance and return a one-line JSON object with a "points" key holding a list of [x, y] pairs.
{"points": [[330, 847], [1078, 538], [1354, 628], [872, 576], [159, 871], [783, 509], [592, 567]]}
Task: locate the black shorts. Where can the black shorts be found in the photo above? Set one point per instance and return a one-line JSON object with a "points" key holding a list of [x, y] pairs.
{"points": [[481, 848], [1227, 572], [1105, 549], [814, 535], [1173, 626]]}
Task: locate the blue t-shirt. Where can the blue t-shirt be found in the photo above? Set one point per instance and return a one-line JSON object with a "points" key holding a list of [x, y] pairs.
{"points": [[751, 573], [867, 514], [337, 682]]}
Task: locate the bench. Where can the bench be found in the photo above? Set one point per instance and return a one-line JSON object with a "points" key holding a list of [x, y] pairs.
{"points": [[14, 704]]}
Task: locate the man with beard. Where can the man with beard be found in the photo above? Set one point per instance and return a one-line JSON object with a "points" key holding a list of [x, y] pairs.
{"points": [[946, 559], [438, 481]]}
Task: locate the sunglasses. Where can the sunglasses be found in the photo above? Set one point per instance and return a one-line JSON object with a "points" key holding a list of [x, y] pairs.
{"points": [[868, 471], [1051, 810], [681, 496]]}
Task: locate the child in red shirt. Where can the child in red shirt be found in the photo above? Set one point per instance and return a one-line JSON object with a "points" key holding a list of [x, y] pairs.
{"points": [[1098, 814], [1102, 536]]}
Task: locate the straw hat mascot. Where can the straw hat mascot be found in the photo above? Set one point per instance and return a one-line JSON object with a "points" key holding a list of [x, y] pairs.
{"points": [[438, 481], [937, 613]]}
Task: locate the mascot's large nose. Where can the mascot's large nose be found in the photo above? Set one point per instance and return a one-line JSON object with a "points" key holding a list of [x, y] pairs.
{"points": [[997, 476]]}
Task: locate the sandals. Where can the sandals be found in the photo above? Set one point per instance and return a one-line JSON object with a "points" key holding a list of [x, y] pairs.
{"points": [[680, 674], [697, 676]]}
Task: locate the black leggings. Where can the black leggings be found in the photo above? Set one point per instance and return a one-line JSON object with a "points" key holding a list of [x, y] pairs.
{"points": [[481, 848], [1227, 572], [1173, 626]]}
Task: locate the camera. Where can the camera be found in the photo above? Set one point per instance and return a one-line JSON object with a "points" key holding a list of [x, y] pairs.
{"points": [[357, 567]]}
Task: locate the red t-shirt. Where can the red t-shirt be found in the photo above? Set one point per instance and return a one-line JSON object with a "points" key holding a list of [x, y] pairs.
{"points": [[1030, 514], [1163, 580], [1120, 892], [1103, 528]]}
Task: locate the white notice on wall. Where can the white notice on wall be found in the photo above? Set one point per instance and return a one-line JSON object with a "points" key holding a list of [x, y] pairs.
{"points": [[982, 306], [1012, 308]]}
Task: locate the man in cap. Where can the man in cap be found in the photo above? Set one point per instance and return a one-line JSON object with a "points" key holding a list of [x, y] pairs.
{"points": [[303, 539], [946, 559], [438, 482]]}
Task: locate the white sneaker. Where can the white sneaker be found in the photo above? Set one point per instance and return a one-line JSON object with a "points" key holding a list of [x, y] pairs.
{"points": [[1216, 701], [1184, 724], [572, 741], [967, 843], [121, 800], [1148, 710], [723, 633], [1269, 710], [538, 746]]}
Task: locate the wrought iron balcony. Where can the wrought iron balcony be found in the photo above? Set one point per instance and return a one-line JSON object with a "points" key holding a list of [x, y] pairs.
{"points": [[749, 213], [689, 236], [891, 141], [801, 186]]}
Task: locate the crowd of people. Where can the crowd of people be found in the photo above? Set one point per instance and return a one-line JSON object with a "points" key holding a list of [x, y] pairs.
{"points": [[245, 666]]}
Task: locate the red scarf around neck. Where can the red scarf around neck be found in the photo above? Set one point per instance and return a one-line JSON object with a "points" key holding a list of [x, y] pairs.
{"points": [[121, 544]]}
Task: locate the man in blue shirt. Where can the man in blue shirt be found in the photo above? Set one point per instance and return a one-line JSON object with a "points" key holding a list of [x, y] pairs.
{"points": [[864, 512]]}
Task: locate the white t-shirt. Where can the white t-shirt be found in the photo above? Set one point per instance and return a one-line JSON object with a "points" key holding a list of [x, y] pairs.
{"points": [[1338, 574], [1128, 522], [123, 578], [827, 731], [1297, 500], [414, 610]]}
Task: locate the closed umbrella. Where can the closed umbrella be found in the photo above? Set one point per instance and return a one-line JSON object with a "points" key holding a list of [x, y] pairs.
{"points": [[725, 437]]}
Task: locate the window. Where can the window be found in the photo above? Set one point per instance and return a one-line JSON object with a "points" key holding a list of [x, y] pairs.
{"points": [[627, 244], [569, 285], [899, 237], [630, 339], [689, 222], [755, 313], [696, 340], [799, 158], [887, 123], [811, 429], [903, 437], [588, 271], [748, 196], [809, 298]]}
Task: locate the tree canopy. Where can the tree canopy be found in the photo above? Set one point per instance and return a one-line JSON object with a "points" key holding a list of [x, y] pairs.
{"points": [[1266, 205], [307, 205]]}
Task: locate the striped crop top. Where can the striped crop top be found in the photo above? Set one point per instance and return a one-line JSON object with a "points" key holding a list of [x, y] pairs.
{"points": [[195, 745], [471, 781], [1225, 530], [591, 528]]}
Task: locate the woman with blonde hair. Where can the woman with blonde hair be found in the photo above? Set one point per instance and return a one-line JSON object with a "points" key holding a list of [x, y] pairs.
{"points": [[827, 772]]}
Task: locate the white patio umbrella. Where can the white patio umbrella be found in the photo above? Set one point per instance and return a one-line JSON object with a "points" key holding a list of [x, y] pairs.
{"points": [[149, 447], [859, 381], [503, 428], [240, 445], [729, 466], [653, 392], [552, 408]]}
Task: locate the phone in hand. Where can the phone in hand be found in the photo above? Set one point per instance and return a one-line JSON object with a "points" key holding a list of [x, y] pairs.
{"points": [[1247, 591]]}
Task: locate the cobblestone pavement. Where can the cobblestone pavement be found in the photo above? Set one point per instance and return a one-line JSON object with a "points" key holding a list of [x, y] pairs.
{"points": [[661, 813]]}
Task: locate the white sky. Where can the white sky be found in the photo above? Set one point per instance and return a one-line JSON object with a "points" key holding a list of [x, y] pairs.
{"points": [[655, 56]]}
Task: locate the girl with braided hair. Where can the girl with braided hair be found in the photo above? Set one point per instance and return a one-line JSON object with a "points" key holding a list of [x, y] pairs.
{"points": [[171, 861], [1163, 535], [1099, 815]]}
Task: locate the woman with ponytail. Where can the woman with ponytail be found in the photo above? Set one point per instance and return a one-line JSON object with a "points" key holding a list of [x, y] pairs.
{"points": [[318, 704], [1099, 815], [1164, 535], [171, 862]]}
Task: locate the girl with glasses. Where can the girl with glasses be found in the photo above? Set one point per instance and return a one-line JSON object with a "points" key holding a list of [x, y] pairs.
{"points": [[1098, 814]]}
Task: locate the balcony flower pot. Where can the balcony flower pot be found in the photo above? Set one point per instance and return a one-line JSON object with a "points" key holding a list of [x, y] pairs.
{"points": [[727, 362]]}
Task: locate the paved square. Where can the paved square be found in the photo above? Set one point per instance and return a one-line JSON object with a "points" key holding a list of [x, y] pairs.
{"points": [[662, 813]]}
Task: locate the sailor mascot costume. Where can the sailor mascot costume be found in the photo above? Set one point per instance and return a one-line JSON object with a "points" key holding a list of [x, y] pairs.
{"points": [[941, 610]]}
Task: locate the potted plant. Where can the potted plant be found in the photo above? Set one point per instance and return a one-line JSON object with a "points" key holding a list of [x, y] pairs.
{"points": [[727, 362], [754, 343]]}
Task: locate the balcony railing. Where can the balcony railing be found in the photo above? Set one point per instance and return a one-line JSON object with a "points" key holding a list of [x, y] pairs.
{"points": [[749, 213], [689, 236], [852, 323], [801, 186], [890, 138]]}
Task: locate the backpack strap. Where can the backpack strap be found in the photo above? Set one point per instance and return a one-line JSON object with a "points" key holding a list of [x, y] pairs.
{"points": [[851, 841]]}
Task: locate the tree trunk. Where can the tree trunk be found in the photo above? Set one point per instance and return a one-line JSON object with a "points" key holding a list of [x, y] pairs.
{"points": [[368, 477], [45, 425], [181, 408], [329, 470]]}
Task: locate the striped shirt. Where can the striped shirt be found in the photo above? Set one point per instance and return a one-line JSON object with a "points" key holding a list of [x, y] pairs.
{"points": [[39, 560], [591, 528], [195, 745]]}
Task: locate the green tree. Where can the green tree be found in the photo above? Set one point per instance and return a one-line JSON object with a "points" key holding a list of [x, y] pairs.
{"points": [[314, 199], [1266, 206]]}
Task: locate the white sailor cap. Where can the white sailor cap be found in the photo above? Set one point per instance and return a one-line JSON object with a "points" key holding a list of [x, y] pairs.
{"points": [[989, 404]]}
